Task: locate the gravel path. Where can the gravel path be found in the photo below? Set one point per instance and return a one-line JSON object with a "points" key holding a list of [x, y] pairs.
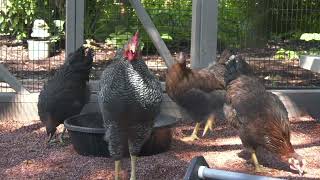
{"points": [[24, 154]]}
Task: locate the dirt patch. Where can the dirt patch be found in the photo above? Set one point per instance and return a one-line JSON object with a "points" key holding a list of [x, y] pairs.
{"points": [[24, 154]]}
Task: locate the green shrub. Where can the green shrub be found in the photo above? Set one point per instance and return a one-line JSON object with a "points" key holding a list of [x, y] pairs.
{"points": [[17, 17]]}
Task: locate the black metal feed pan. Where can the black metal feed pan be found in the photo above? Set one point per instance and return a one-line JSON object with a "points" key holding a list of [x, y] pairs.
{"points": [[87, 132]]}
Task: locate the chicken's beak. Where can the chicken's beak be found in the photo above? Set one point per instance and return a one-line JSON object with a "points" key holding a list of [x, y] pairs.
{"points": [[133, 48]]}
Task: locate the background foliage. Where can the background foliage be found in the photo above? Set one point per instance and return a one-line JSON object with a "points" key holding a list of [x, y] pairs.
{"points": [[246, 23], [17, 17]]}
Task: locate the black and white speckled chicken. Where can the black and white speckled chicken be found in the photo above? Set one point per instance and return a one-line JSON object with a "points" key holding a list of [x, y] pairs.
{"points": [[260, 117], [129, 99], [199, 93], [66, 93]]}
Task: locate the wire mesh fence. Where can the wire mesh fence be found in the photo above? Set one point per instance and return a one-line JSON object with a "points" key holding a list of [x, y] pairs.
{"points": [[31, 40], [117, 22], [266, 32]]}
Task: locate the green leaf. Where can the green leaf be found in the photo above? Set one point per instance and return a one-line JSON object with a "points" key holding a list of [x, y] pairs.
{"points": [[281, 51], [292, 55], [310, 36], [279, 56], [166, 36]]}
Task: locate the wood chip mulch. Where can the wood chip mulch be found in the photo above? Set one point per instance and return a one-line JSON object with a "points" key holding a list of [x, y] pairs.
{"points": [[24, 154]]}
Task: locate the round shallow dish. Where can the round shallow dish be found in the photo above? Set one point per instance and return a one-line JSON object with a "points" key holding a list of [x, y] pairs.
{"points": [[87, 132]]}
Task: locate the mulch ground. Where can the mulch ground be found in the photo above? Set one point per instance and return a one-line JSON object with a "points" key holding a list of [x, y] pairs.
{"points": [[24, 154]]}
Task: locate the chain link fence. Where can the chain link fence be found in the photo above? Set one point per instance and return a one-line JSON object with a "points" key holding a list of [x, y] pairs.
{"points": [[266, 32]]}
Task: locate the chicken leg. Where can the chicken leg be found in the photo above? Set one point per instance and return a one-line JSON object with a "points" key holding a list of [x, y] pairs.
{"points": [[258, 167], [193, 135], [209, 125], [52, 140], [133, 167], [117, 169]]}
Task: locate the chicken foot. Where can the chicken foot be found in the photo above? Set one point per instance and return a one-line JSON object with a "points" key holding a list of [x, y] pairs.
{"points": [[117, 169], [258, 167], [52, 140], [133, 167], [193, 135], [209, 125]]}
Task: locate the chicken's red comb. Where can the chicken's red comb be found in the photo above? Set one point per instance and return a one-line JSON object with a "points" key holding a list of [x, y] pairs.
{"points": [[135, 38]]}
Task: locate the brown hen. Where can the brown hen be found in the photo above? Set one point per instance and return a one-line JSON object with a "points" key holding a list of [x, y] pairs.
{"points": [[199, 93], [260, 117]]}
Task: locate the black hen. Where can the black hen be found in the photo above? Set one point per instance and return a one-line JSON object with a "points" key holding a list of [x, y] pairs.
{"points": [[129, 98], [66, 93]]}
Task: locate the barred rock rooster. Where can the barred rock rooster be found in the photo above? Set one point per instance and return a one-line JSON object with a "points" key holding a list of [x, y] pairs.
{"points": [[66, 93], [129, 99], [199, 93], [260, 117]]}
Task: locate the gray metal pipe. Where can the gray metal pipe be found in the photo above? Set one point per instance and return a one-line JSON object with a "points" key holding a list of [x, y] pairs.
{"points": [[152, 32], [6, 76], [207, 173]]}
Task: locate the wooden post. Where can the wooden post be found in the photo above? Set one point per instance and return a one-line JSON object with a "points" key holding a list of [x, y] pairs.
{"points": [[204, 33], [74, 25], [152, 32]]}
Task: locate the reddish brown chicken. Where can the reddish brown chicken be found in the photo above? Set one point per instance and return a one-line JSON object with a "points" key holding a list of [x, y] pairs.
{"points": [[260, 117], [199, 93]]}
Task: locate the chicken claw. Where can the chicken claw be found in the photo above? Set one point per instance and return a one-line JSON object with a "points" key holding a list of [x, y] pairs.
{"points": [[209, 126], [190, 138], [61, 136], [193, 135], [50, 140]]}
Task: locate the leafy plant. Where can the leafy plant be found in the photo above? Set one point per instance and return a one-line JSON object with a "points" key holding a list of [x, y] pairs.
{"points": [[57, 31], [17, 17], [310, 36], [283, 54], [113, 18], [120, 38]]}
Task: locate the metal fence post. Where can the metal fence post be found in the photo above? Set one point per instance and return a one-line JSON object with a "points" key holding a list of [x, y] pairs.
{"points": [[204, 32], [152, 32], [74, 25]]}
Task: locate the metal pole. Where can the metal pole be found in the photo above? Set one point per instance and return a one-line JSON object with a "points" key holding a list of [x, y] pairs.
{"points": [[204, 33], [74, 25], [6, 76], [207, 173], [152, 32]]}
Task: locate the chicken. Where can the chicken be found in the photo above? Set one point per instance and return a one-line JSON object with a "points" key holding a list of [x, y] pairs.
{"points": [[199, 93], [66, 93], [129, 99], [260, 117]]}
